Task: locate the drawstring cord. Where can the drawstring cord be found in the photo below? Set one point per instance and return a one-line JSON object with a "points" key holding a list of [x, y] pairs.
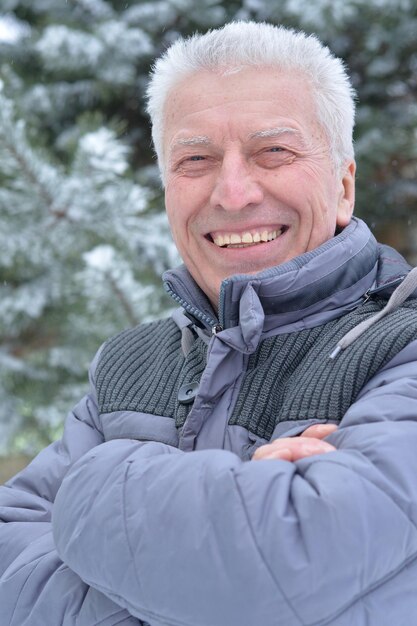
{"points": [[402, 292]]}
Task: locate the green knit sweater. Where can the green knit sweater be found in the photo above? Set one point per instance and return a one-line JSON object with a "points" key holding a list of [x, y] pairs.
{"points": [[289, 377]]}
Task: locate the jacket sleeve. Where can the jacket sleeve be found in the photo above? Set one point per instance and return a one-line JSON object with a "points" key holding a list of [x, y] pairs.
{"points": [[204, 539], [36, 588]]}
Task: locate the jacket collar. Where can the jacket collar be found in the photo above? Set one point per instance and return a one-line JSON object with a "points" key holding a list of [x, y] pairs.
{"points": [[333, 277]]}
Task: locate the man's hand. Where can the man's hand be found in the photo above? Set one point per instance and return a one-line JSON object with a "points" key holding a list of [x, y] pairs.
{"points": [[295, 448]]}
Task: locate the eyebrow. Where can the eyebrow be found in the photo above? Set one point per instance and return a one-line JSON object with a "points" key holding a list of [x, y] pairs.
{"points": [[199, 140], [203, 140], [275, 132]]}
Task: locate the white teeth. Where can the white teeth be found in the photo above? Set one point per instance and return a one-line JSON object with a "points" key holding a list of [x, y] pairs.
{"points": [[247, 238]]}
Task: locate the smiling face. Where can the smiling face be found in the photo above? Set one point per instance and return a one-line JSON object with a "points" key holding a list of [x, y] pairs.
{"points": [[249, 179]]}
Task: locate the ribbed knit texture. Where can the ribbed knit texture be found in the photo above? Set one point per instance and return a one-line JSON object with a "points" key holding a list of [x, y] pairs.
{"points": [[289, 377], [141, 370]]}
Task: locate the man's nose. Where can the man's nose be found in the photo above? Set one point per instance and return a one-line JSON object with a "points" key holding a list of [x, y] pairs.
{"points": [[235, 187]]}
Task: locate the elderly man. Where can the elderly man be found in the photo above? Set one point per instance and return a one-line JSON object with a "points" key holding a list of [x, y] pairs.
{"points": [[193, 485]]}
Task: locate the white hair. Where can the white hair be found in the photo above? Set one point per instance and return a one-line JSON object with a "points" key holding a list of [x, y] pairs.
{"points": [[243, 44]]}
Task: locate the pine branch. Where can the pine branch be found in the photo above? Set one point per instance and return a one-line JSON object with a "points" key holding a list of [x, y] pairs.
{"points": [[42, 189], [27, 161], [127, 307]]}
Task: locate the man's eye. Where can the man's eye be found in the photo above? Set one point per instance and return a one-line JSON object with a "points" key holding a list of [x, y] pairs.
{"points": [[193, 165], [274, 156]]}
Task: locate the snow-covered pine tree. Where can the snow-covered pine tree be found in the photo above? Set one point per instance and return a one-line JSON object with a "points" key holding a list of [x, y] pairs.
{"points": [[80, 255], [83, 237]]}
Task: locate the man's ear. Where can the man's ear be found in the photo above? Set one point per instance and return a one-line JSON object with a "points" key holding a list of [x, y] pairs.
{"points": [[346, 199]]}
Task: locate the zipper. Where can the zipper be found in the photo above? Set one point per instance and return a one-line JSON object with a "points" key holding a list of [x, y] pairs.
{"points": [[393, 283], [368, 294], [208, 321], [222, 299]]}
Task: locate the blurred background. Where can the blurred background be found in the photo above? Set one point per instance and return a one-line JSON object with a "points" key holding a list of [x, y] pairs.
{"points": [[83, 236]]}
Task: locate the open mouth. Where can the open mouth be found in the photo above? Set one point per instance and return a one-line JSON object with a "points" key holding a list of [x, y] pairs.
{"points": [[246, 239]]}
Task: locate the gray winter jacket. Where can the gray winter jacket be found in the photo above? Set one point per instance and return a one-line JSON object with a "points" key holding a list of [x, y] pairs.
{"points": [[137, 516]]}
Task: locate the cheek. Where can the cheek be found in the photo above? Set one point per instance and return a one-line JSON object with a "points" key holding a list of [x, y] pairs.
{"points": [[181, 229], [178, 233], [175, 209], [185, 203], [175, 226]]}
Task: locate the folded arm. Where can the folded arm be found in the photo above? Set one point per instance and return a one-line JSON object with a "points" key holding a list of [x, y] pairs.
{"points": [[203, 538], [36, 587]]}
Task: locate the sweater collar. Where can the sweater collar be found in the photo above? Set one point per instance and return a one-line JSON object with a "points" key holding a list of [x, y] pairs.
{"points": [[335, 275]]}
